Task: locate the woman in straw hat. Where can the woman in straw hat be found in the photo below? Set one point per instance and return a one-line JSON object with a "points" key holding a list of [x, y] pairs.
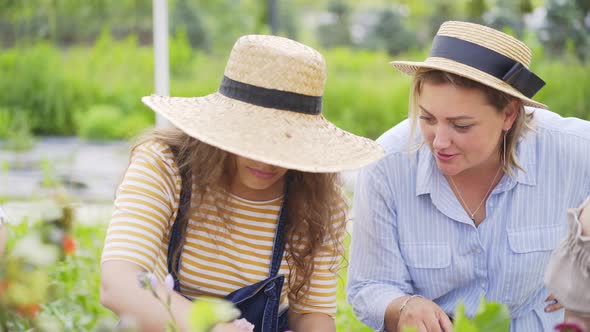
{"points": [[470, 199], [240, 199], [567, 275]]}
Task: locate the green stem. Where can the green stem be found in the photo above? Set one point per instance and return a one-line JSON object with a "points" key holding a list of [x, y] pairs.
{"points": [[169, 309], [167, 306]]}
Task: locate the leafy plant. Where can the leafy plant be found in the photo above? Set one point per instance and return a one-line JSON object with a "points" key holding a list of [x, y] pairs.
{"points": [[16, 131], [490, 317], [25, 278]]}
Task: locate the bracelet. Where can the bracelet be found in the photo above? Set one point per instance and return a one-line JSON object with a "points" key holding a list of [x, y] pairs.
{"points": [[401, 308]]}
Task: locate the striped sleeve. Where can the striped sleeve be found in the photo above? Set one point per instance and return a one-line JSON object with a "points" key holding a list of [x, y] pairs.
{"points": [[321, 297], [144, 208]]}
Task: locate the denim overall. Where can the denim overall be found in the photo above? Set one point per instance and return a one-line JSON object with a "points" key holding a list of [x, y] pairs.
{"points": [[258, 303]]}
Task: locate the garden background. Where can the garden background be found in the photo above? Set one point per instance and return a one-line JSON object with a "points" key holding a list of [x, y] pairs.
{"points": [[72, 73]]}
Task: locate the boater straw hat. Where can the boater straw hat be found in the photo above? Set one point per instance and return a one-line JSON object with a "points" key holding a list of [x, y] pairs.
{"points": [[484, 55], [268, 108]]}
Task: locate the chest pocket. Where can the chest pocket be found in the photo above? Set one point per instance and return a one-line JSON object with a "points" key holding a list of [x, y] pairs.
{"points": [[429, 265], [529, 240], [528, 254]]}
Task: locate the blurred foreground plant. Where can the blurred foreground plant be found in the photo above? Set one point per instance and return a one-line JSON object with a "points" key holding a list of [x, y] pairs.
{"points": [[25, 282], [490, 317]]}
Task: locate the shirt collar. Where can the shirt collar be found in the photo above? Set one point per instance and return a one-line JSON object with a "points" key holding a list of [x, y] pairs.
{"points": [[425, 171], [526, 152]]}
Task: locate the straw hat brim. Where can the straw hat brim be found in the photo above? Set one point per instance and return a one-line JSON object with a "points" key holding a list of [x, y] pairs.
{"points": [[282, 138], [410, 68]]}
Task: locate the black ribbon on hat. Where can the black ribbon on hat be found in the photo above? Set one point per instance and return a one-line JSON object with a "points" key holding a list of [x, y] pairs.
{"points": [[270, 98], [489, 61]]}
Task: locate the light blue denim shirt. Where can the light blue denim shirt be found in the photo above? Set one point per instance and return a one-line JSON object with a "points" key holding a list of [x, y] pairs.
{"points": [[411, 236]]}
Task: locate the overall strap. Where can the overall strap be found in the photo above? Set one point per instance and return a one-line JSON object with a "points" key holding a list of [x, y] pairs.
{"points": [[278, 246], [175, 241]]}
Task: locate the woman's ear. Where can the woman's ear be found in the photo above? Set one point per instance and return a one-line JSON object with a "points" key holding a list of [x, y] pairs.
{"points": [[511, 111]]}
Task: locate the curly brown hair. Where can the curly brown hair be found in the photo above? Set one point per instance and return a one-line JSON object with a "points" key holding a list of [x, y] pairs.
{"points": [[312, 201]]}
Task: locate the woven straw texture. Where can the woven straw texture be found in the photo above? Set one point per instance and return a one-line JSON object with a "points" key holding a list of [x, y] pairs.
{"points": [[283, 138], [483, 36]]}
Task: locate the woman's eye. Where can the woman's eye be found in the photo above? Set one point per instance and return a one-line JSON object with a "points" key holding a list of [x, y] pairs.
{"points": [[464, 127], [425, 118]]}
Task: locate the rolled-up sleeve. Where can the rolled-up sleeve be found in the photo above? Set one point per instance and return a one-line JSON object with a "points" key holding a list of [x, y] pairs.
{"points": [[377, 273]]}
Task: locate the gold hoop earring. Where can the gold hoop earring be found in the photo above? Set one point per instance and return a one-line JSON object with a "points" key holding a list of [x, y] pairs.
{"points": [[504, 148]]}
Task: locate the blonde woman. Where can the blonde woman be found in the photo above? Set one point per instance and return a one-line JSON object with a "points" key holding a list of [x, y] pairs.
{"points": [[474, 205], [241, 199]]}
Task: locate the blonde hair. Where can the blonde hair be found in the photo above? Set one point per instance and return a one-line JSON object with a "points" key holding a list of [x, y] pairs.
{"points": [[312, 200], [499, 100]]}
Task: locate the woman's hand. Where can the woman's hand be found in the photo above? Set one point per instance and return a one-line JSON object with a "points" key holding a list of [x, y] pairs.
{"points": [[421, 314], [553, 305], [425, 316]]}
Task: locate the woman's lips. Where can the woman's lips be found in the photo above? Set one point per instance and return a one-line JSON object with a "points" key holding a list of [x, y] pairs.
{"points": [[261, 174], [444, 157]]}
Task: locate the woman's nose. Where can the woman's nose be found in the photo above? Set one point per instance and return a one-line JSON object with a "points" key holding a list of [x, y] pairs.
{"points": [[442, 138]]}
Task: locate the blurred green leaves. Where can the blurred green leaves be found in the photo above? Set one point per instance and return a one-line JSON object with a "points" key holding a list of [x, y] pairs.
{"points": [[490, 317]]}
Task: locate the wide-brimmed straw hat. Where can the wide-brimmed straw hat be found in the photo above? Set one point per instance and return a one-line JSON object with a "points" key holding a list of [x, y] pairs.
{"points": [[484, 55], [268, 108]]}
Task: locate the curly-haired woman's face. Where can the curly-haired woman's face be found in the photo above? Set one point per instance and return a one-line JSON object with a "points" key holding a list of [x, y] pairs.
{"points": [[256, 180]]}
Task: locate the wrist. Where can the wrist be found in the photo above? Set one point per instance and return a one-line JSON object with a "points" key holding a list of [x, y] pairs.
{"points": [[394, 310], [405, 303]]}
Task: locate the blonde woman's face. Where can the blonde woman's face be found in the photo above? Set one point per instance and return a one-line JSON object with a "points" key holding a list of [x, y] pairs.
{"points": [[257, 181], [461, 128]]}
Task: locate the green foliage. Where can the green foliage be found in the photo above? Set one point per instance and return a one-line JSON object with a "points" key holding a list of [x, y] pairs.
{"points": [[490, 317], [106, 122], [77, 308], [336, 33], [568, 97], [100, 123], [567, 21], [181, 53], [15, 129], [392, 33], [186, 18], [208, 311], [34, 82], [476, 9], [364, 94]]}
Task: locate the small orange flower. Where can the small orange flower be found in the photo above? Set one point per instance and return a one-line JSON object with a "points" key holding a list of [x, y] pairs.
{"points": [[29, 310], [69, 246]]}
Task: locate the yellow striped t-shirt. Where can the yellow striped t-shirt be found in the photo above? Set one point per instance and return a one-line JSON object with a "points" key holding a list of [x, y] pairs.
{"points": [[217, 258]]}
